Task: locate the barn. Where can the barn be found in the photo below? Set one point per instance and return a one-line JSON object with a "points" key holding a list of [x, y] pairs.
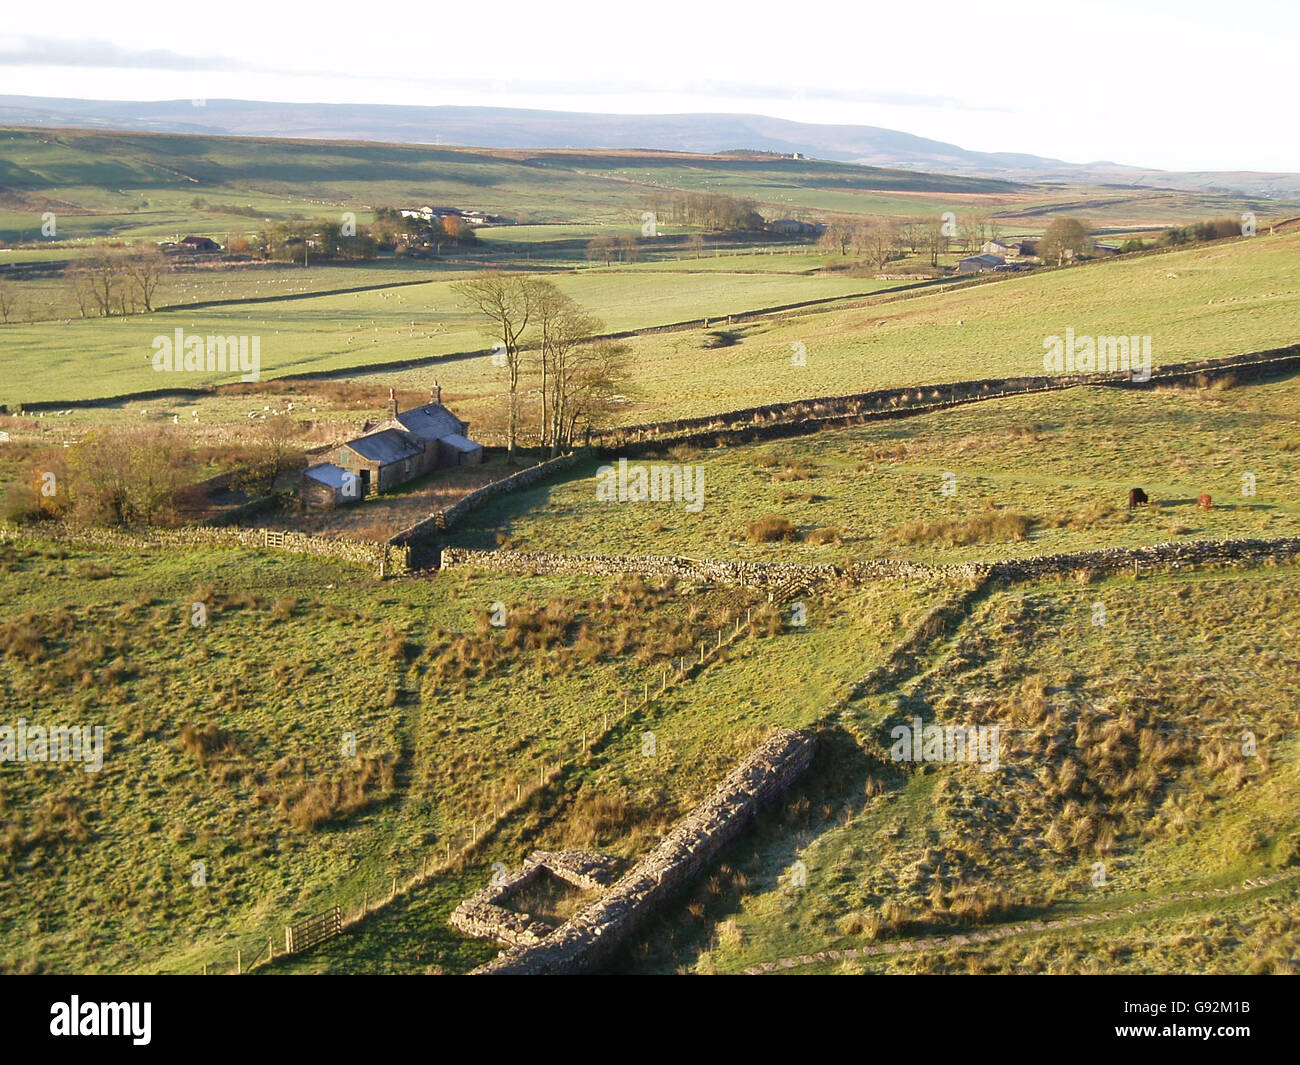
{"points": [[976, 264]]}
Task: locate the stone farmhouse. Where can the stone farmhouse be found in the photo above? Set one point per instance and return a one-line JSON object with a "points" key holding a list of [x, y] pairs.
{"points": [[404, 446]]}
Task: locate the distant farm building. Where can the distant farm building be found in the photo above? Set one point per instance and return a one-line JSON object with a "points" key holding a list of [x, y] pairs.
{"points": [[406, 445], [976, 264], [200, 244], [472, 216], [793, 227], [1013, 249]]}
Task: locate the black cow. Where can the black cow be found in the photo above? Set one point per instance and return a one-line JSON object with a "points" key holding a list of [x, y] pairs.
{"points": [[1135, 497]]}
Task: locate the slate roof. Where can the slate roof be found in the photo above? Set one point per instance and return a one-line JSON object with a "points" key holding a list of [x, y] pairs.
{"points": [[328, 473], [385, 446], [433, 421], [466, 447]]}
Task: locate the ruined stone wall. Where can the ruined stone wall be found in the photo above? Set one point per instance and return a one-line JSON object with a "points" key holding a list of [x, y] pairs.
{"points": [[593, 934]]}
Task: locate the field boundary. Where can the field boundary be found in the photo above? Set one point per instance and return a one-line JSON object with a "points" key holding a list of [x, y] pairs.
{"points": [[446, 517], [799, 417], [769, 575], [386, 560]]}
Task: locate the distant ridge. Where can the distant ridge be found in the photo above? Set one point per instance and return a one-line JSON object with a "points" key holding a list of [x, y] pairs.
{"points": [[493, 127]]}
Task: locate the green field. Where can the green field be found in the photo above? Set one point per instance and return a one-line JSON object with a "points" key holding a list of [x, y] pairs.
{"points": [[90, 358], [1056, 467], [448, 720], [1120, 744]]}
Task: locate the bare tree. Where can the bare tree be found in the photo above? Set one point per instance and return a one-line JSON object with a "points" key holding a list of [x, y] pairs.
{"points": [[935, 242], [7, 305], [104, 280], [600, 373], [509, 303], [154, 476], [969, 233], [274, 453], [628, 249], [144, 269], [601, 249], [913, 232], [880, 240], [838, 236], [564, 327]]}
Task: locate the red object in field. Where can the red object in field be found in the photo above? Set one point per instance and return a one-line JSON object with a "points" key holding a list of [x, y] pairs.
{"points": [[1203, 501]]}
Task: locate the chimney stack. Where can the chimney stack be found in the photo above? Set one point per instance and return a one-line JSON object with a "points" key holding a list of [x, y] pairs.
{"points": [[435, 393], [392, 404]]}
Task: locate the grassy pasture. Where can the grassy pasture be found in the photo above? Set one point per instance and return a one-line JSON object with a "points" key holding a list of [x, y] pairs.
{"points": [[87, 358], [619, 799], [1119, 743], [1056, 466], [1219, 301], [224, 743]]}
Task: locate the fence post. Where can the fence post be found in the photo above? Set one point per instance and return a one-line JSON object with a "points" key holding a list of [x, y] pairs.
{"points": [[239, 961]]}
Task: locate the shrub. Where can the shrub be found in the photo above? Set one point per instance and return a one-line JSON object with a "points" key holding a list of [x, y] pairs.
{"points": [[770, 529], [828, 535]]}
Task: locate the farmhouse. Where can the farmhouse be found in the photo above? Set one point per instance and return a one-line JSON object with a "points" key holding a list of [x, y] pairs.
{"points": [[406, 445], [471, 216]]}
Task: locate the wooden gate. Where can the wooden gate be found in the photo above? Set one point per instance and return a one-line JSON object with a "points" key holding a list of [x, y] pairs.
{"points": [[313, 930]]}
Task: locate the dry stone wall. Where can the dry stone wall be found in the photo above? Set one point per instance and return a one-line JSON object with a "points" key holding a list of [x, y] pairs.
{"points": [[719, 571], [445, 519], [371, 554], [595, 932], [776, 420], [776, 574]]}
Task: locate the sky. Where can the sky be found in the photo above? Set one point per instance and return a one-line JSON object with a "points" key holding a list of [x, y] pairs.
{"points": [[1187, 85]]}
